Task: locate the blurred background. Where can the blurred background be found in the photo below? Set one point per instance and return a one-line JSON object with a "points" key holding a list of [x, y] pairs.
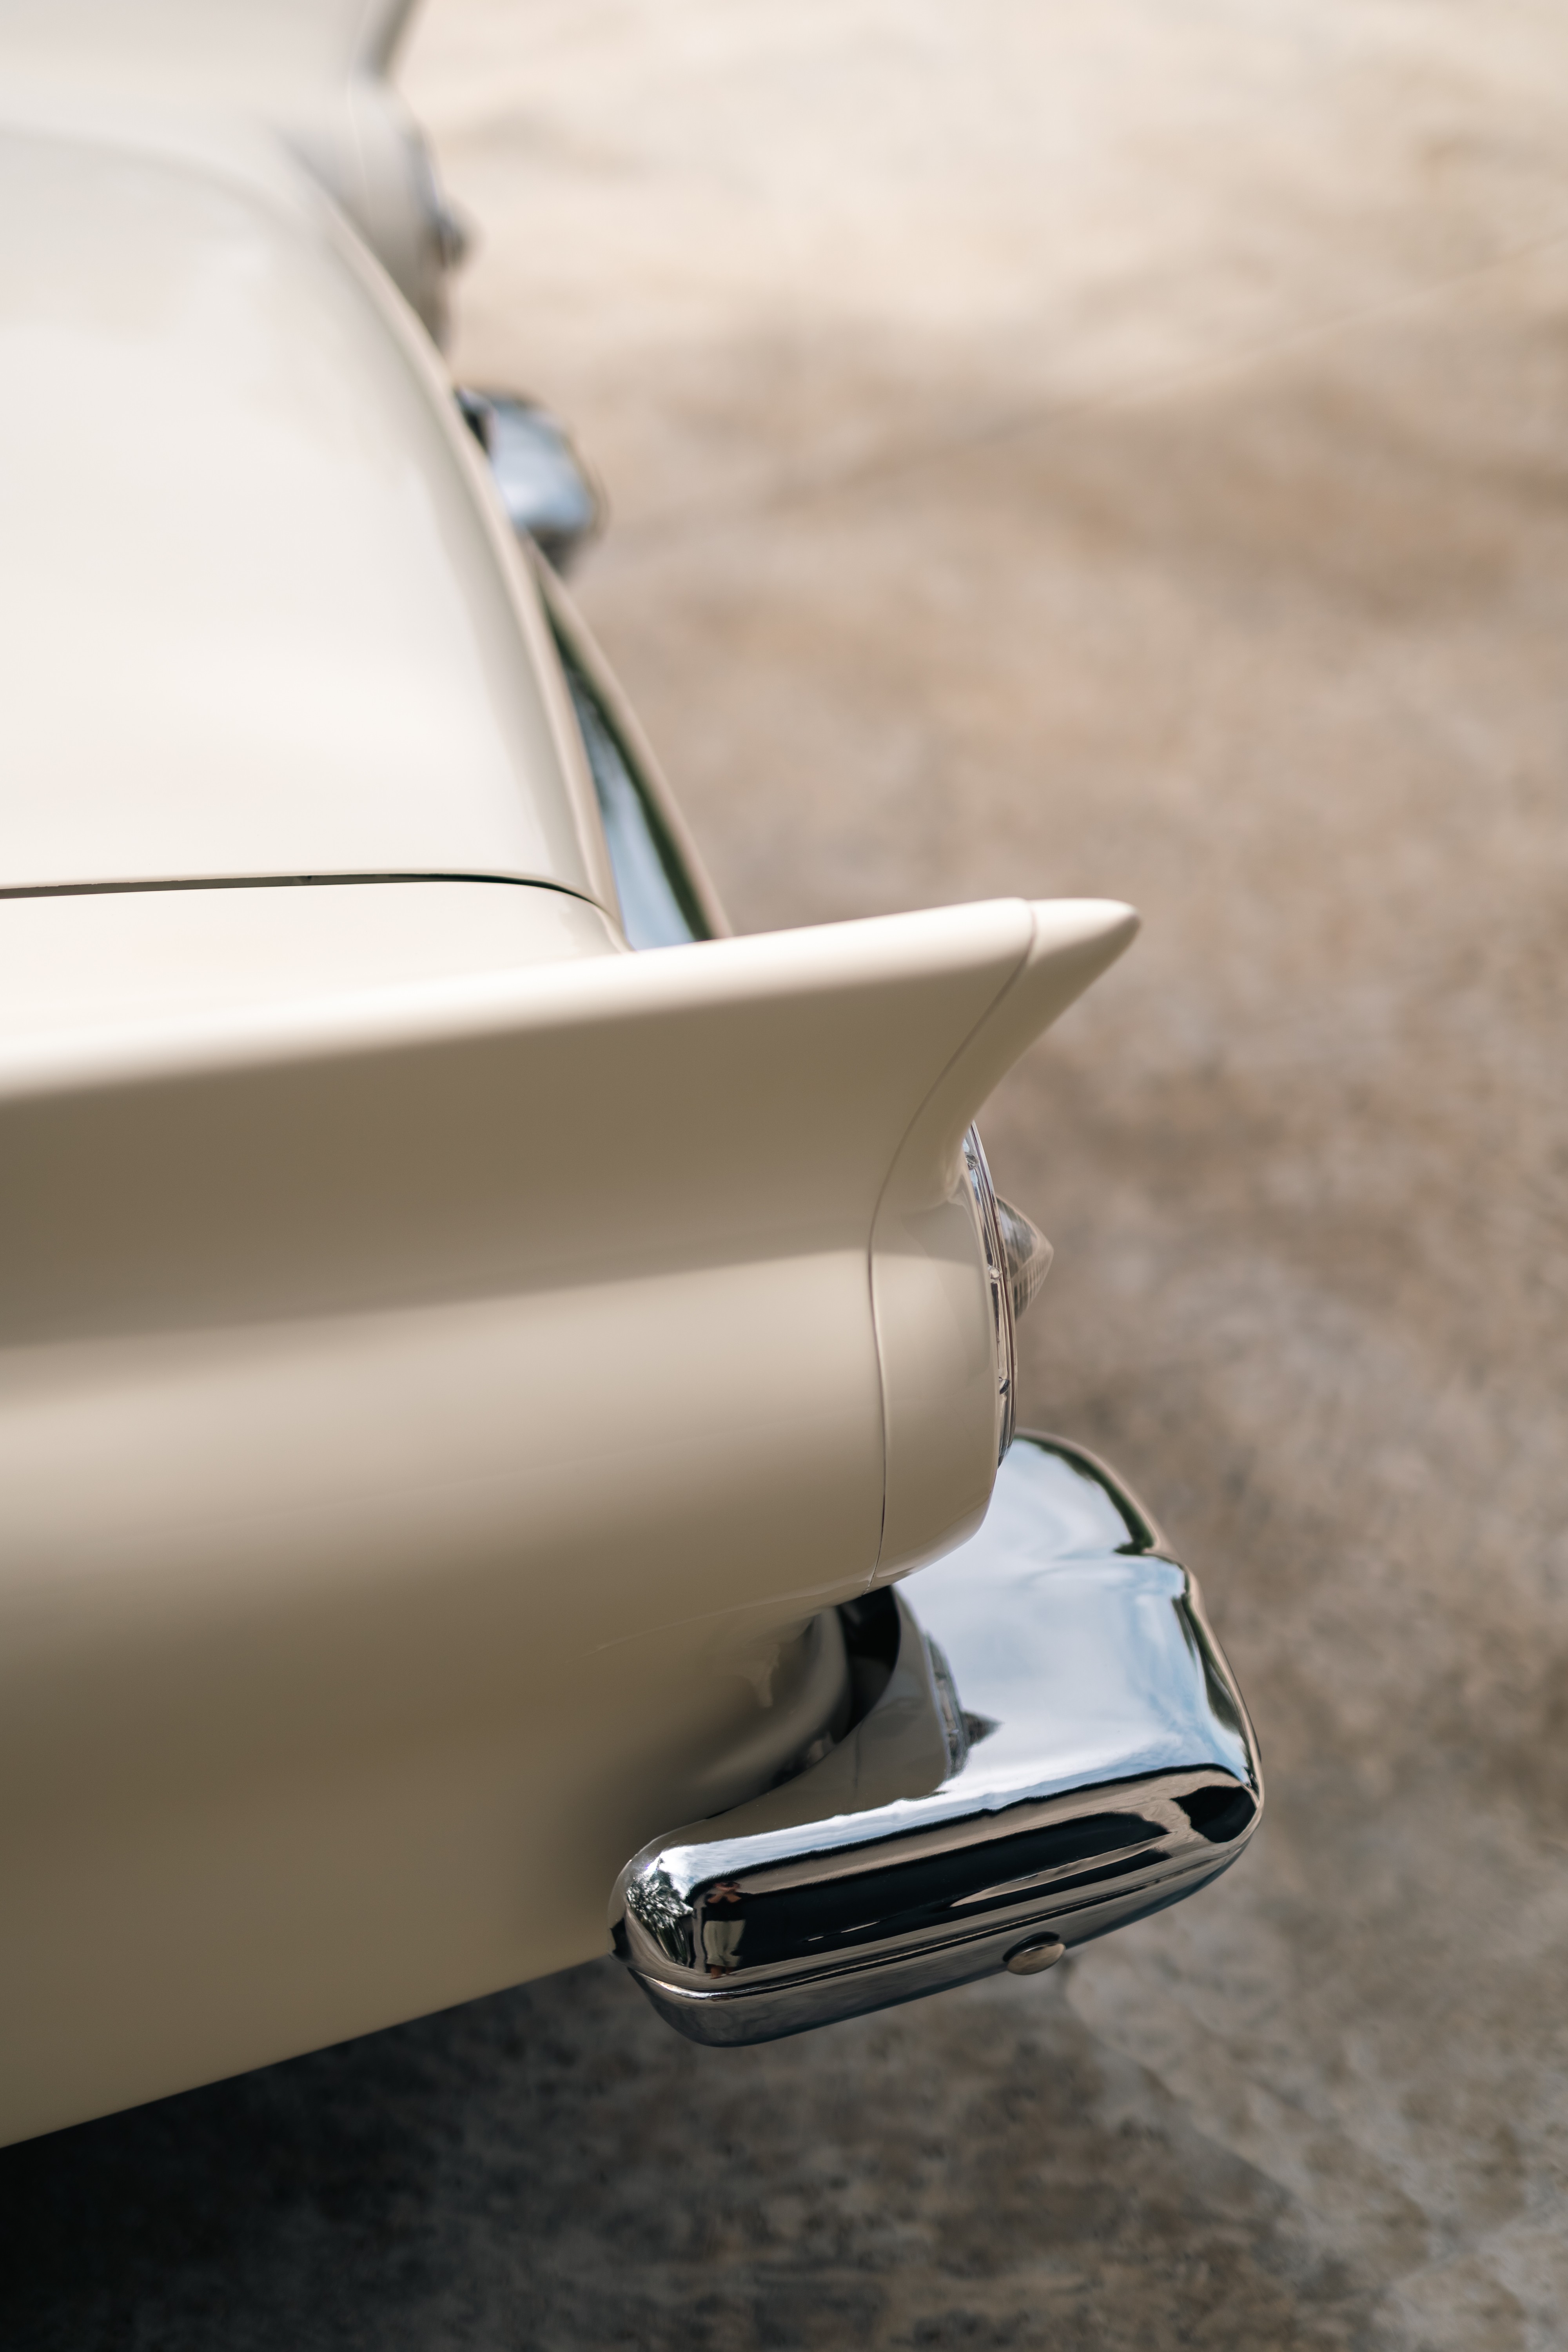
{"points": [[1066, 448]]}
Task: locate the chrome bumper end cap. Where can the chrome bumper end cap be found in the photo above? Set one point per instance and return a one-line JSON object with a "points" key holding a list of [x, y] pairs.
{"points": [[1059, 1748]]}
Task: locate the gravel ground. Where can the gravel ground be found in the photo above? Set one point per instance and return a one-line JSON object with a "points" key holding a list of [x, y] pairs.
{"points": [[1113, 449]]}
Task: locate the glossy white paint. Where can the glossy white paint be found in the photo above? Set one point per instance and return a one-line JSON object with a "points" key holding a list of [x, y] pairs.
{"points": [[261, 615], [312, 72], [445, 1360], [78, 961], [255, 57], [416, 1406]]}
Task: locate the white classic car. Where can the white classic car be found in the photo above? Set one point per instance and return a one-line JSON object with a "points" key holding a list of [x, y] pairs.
{"points": [[499, 1376]]}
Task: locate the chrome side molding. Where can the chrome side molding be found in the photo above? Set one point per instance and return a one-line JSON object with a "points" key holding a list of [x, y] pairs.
{"points": [[549, 493], [1052, 1744]]}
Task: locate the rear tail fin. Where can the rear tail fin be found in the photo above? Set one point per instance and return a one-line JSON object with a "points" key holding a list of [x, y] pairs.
{"points": [[714, 1192], [559, 1124]]}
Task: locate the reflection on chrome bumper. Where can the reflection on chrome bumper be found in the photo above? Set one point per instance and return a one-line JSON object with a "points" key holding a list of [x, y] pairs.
{"points": [[1054, 1745]]}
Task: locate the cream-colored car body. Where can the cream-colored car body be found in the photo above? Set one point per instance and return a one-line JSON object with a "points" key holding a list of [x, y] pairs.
{"points": [[446, 1361]]}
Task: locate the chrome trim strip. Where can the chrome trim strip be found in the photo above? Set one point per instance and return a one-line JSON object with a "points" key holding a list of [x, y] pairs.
{"points": [[997, 1275], [1059, 1748]]}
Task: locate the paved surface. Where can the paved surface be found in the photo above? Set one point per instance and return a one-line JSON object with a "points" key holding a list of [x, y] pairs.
{"points": [[1100, 448]]}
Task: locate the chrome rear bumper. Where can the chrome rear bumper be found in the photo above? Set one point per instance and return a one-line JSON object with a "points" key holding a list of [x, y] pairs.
{"points": [[1052, 1744]]}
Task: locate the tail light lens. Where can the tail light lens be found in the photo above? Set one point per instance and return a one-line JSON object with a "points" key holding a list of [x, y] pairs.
{"points": [[1017, 1260]]}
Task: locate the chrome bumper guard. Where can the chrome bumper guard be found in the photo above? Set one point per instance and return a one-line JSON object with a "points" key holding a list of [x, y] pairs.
{"points": [[1050, 1744]]}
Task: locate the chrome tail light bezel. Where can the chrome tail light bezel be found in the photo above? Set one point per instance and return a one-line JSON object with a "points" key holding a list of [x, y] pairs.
{"points": [[1004, 1328], [1017, 1260]]}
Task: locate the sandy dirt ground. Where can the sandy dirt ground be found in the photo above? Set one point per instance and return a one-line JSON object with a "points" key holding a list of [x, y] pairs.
{"points": [[1068, 447]]}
